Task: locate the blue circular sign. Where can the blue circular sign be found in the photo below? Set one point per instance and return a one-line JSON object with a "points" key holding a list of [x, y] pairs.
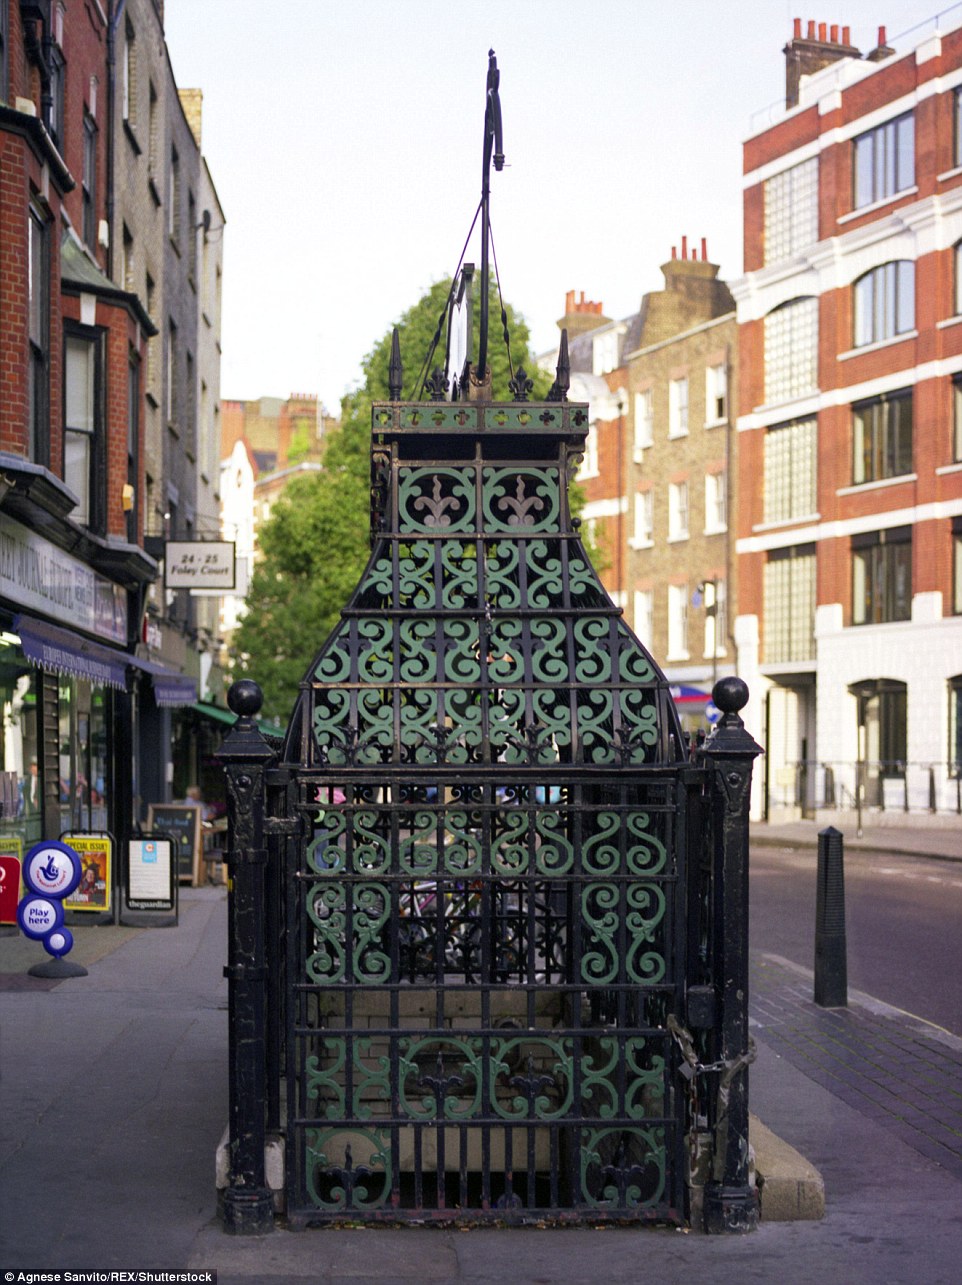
{"points": [[39, 916], [59, 942], [712, 713], [51, 869]]}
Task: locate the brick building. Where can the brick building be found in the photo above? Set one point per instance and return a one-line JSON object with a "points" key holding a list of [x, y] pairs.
{"points": [[81, 282], [850, 477]]}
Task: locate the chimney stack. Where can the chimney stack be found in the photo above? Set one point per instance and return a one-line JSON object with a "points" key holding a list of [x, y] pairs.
{"points": [[806, 55]]}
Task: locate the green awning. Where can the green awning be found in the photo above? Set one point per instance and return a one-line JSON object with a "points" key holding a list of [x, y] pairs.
{"points": [[271, 730]]}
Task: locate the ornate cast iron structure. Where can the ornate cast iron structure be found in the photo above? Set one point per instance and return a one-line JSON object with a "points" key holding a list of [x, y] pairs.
{"points": [[488, 916]]}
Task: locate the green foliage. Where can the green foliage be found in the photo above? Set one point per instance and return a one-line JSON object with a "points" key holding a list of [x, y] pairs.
{"points": [[315, 545]]}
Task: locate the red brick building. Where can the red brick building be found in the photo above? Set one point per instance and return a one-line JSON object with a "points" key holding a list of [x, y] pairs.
{"points": [[850, 434]]}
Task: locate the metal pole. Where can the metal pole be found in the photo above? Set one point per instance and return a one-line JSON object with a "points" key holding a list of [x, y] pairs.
{"points": [[731, 1203], [831, 967], [248, 1203]]}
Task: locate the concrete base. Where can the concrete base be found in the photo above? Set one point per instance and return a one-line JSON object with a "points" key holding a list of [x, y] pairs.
{"points": [[273, 1169], [789, 1188]]}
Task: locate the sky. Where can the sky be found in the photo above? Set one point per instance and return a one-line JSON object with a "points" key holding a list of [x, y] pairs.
{"points": [[345, 143]]}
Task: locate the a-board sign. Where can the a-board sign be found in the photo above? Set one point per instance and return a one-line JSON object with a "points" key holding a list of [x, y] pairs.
{"points": [[183, 822], [95, 848], [151, 880]]}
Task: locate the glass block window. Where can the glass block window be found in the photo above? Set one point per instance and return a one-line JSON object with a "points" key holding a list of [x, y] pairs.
{"points": [[884, 160], [677, 622], [789, 605], [791, 350], [790, 476], [644, 420], [884, 302], [882, 437], [882, 576], [791, 211]]}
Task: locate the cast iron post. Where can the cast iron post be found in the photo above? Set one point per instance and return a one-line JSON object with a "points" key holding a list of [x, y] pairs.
{"points": [[831, 951], [248, 1204], [731, 1204]]}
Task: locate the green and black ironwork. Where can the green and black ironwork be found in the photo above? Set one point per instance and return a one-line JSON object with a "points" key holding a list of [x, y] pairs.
{"points": [[504, 909]]}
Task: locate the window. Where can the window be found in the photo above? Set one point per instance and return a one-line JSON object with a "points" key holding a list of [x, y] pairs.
{"points": [[955, 725], [716, 394], [716, 617], [171, 373], [885, 302], [153, 138], [644, 518], [885, 160], [127, 260], [957, 279], [882, 437], [128, 71], [173, 212], [645, 616], [957, 140], [191, 237], [957, 419], [38, 377], [678, 407], [791, 350], [589, 465], [644, 421], [677, 510], [88, 182], [133, 446], [715, 503], [883, 739], [791, 211], [677, 622], [83, 465], [790, 471], [788, 611], [882, 576], [604, 352], [53, 115], [957, 566]]}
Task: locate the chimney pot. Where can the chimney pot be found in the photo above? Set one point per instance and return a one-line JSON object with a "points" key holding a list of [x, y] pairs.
{"points": [[846, 36], [811, 29], [833, 33], [822, 30], [674, 252], [704, 250], [881, 37], [797, 35], [684, 247]]}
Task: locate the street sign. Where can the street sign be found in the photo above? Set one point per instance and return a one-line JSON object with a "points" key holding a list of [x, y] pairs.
{"points": [[199, 564]]}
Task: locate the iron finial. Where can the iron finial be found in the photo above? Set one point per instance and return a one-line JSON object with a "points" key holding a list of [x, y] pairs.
{"points": [[395, 371], [559, 389]]}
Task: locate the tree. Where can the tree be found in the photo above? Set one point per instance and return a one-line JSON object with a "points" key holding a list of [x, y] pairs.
{"points": [[315, 544]]}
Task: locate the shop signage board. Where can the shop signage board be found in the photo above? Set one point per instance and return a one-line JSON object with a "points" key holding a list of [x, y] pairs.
{"points": [[151, 874], [199, 564], [182, 822], [95, 848]]}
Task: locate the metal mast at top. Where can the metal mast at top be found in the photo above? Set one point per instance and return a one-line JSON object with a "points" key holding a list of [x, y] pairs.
{"points": [[492, 140]]}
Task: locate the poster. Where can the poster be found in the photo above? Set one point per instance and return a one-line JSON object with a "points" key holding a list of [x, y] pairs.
{"points": [[96, 852]]}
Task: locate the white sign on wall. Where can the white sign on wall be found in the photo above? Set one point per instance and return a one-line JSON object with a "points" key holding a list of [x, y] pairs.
{"points": [[199, 564]]}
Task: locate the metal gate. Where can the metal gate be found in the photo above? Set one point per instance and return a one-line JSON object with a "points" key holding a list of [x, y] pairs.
{"points": [[488, 913]]}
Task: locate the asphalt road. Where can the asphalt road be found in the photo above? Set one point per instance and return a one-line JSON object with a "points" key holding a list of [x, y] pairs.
{"points": [[903, 917]]}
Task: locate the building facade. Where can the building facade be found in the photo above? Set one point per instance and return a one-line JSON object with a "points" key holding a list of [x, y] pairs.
{"points": [[81, 281], [849, 627]]}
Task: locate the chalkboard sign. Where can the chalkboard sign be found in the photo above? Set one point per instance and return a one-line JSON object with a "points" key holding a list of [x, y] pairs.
{"points": [[182, 821]]}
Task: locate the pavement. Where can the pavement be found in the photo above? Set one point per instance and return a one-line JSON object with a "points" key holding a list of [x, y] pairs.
{"points": [[113, 1097]]}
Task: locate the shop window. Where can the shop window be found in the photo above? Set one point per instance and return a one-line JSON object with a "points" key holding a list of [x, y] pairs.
{"points": [[884, 161], [791, 350], [791, 211], [884, 302], [20, 759], [789, 467], [955, 726], [788, 613], [83, 755], [83, 435], [882, 576], [882, 438]]}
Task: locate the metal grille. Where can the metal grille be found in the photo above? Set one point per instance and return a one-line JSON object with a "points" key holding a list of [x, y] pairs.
{"points": [[484, 908]]}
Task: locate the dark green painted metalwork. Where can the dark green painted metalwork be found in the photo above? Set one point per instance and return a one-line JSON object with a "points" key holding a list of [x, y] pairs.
{"points": [[486, 926]]}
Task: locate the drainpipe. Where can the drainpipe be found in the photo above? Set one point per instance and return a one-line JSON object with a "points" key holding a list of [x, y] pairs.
{"points": [[113, 24]]}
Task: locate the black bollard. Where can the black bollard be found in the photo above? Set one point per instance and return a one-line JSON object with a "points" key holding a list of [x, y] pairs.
{"points": [[831, 968]]}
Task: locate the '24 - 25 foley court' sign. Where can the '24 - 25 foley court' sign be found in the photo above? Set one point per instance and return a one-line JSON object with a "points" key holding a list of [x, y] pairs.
{"points": [[199, 564]]}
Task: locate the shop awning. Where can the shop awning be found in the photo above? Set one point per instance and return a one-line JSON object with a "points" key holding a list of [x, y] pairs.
{"points": [[272, 731], [170, 687], [682, 694], [63, 652]]}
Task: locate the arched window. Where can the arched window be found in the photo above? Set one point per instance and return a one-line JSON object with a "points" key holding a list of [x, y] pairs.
{"points": [[885, 302], [791, 350]]}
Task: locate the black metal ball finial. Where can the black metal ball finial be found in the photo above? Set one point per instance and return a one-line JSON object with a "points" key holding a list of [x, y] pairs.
{"points": [[730, 694], [245, 698]]}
